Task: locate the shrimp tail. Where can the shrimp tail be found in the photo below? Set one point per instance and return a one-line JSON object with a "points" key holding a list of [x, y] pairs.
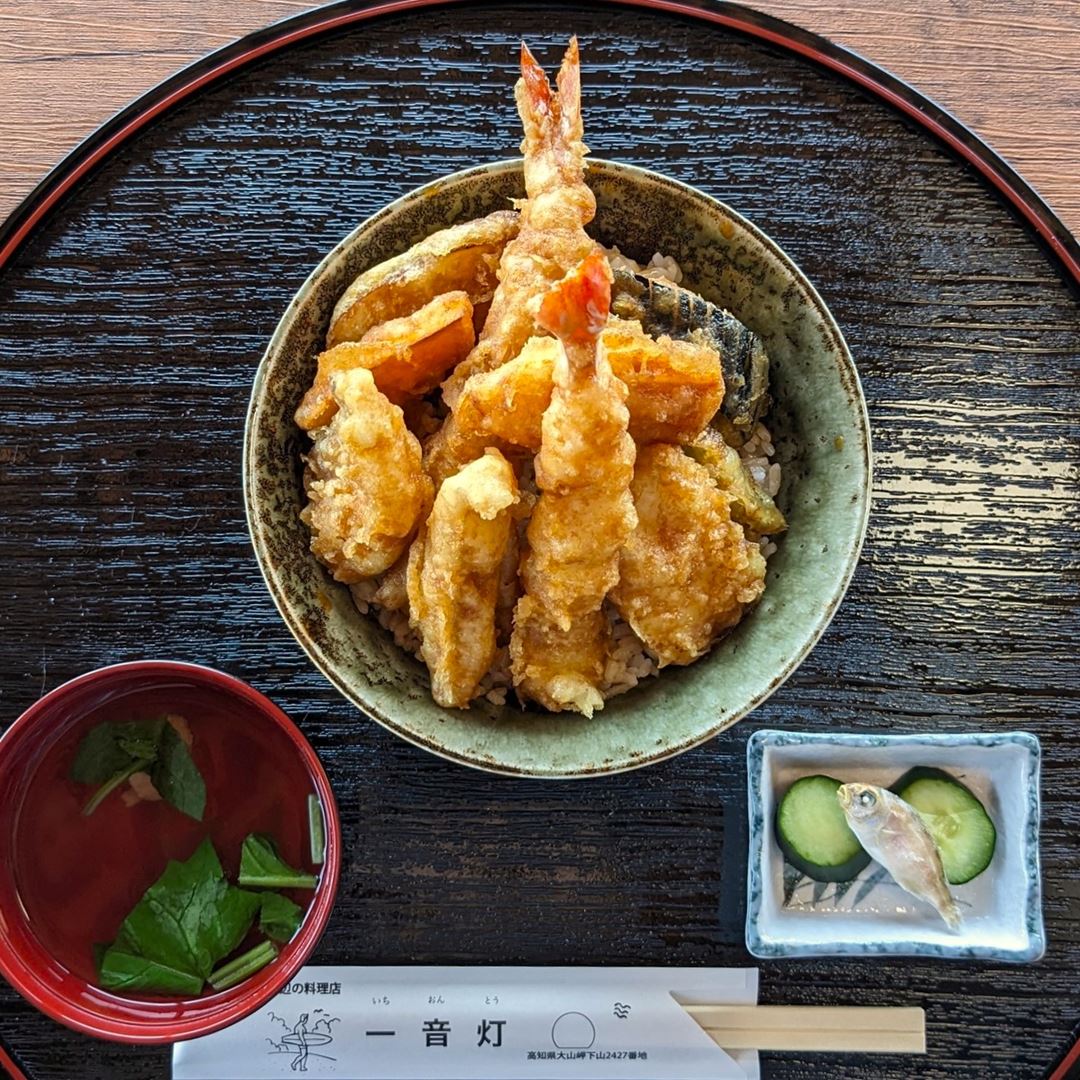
{"points": [[569, 86], [576, 310], [533, 92]]}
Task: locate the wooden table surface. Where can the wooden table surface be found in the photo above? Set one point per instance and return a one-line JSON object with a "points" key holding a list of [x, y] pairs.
{"points": [[1006, 68]]}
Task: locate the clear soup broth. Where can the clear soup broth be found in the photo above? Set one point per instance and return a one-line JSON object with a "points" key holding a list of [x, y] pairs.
{"points": [[79, 876]]}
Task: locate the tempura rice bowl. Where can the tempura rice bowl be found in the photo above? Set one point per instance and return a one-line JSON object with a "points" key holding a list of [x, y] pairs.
{"points": [[819, 434]]}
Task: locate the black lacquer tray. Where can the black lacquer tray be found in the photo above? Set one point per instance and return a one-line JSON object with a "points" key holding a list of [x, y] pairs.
{"points": [[141, 281]]}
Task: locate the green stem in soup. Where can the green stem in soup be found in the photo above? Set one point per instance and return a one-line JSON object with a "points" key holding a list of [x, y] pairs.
{"points": [[316, 830], [112, 784], [243, 966]]}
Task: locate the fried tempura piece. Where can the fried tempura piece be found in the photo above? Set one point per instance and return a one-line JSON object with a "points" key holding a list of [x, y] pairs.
{"points": [[559, 669], [464, 257], [675, 388], [585, 511], [407, 356], [366, 489], [552, 238], [687, 571], [498, 408], [393, 591], [454, 576], [751, 505], [509, 584]]}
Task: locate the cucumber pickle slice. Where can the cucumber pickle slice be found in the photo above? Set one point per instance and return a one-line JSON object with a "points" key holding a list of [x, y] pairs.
{"points": [[957, 821], [813, 833]]}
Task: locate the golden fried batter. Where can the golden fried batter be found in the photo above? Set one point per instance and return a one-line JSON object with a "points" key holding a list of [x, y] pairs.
{"points": [[675, 386], [463, 257], [560, 669], [365, 485], [687, 571], [392, 593], [501, 408], [454, 576], [408, 356], [674, 389], [552, 238], [585, 511]]}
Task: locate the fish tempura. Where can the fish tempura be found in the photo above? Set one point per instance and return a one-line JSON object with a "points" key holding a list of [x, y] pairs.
{"points": [[366, 490], [454, 576], [688, 571]]}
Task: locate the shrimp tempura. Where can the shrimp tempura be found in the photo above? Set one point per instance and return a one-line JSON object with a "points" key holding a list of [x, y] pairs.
{"points": [[551, 240], [454, 576], [585, 511]]}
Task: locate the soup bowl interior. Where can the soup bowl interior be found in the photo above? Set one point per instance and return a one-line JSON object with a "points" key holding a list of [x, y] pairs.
{"points": [[819, 426], [31, 751]]}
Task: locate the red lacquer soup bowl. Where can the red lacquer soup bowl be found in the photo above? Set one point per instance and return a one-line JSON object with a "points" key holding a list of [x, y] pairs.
{"points": [[68, 878]]}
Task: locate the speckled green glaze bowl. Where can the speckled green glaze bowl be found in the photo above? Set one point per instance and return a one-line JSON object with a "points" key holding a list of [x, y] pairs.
{"points": [[819, 426]]}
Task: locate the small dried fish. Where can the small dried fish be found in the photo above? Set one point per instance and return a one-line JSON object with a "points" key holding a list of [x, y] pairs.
{"points": [[894, 835], [663, 308]]}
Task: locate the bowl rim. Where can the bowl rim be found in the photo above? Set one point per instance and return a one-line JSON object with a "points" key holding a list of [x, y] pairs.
{"points": [[846, 364], [233, 1004]]}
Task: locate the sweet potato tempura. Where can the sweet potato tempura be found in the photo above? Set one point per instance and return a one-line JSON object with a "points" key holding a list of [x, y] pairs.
{"points": [[366, 490], [585, 511], [454, 576], [687, 571]]}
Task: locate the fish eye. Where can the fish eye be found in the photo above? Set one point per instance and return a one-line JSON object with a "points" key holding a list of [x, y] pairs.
{"points": [[867, 798]]}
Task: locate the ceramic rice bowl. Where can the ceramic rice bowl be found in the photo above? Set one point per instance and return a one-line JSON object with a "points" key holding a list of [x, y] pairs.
{"points": [[819, 426]]}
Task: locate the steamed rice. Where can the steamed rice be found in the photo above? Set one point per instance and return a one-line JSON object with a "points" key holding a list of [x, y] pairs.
{"points": [[629, 662]]}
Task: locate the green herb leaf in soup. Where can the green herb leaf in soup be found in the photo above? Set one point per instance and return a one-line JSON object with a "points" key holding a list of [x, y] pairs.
{"points": [[140, 740], [133, 973], [99, 756], [110, 753], [280, 918], [235, 913], [186, 922], [262, 867], [176, 776]]}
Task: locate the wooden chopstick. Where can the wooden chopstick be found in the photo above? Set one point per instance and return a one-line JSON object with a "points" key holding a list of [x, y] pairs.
{"points": [[838, 1028]]}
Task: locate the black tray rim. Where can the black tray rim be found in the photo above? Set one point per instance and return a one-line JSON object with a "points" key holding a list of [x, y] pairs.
{"points": [[941, 124]]}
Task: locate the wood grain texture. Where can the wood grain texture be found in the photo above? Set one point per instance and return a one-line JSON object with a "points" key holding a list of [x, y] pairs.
{"points": [[1005, 68], [130, 329]]}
